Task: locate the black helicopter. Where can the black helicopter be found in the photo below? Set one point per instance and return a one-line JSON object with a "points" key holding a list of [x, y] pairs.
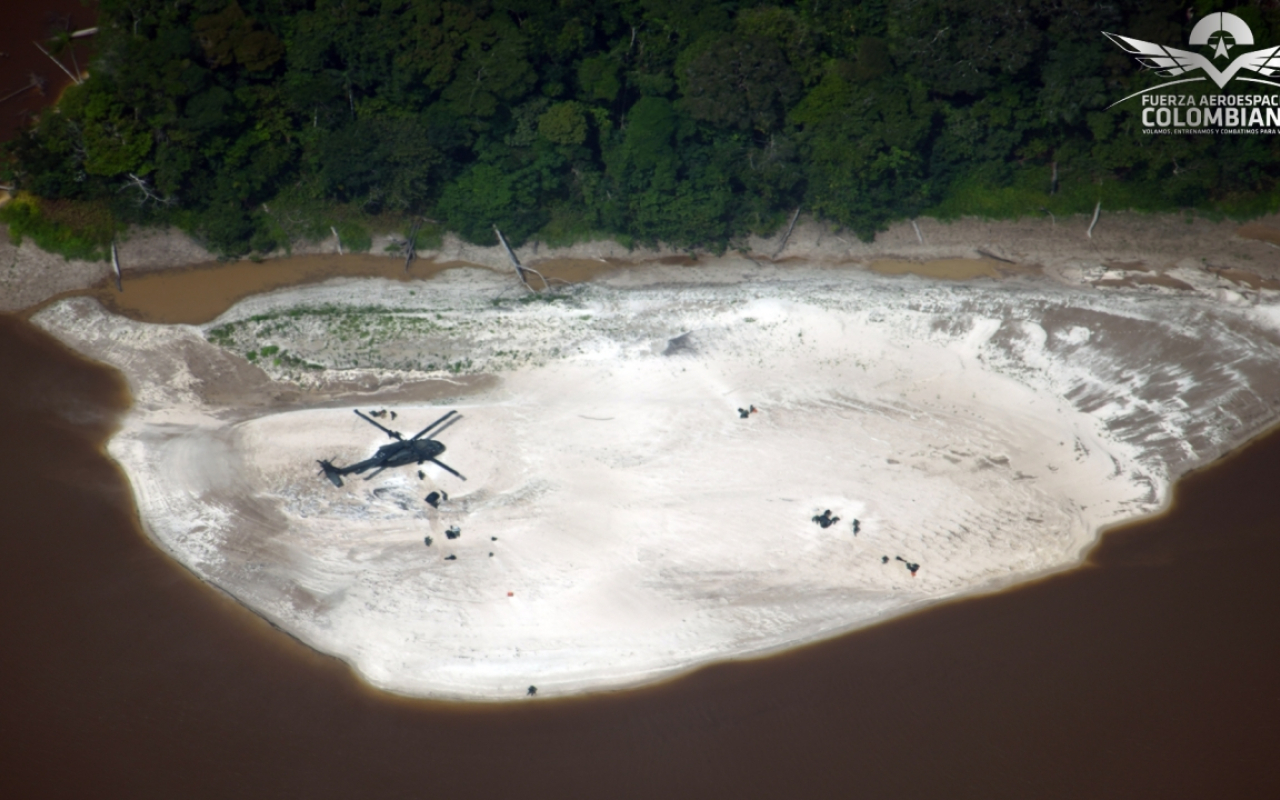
{"points": [[414, 450]]}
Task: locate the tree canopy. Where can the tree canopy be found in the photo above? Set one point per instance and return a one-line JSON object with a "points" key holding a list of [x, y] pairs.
{"points": [[689, 123]]}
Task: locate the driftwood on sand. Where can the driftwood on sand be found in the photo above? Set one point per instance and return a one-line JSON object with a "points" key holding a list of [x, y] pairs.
{"points": [[521, 270]]}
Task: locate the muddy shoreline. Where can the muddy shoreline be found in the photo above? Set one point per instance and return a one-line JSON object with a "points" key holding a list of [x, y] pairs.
{"points": [[1126, 251]]}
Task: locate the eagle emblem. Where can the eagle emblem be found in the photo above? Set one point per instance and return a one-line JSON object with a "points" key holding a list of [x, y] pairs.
{"points": [[1213, 30]]}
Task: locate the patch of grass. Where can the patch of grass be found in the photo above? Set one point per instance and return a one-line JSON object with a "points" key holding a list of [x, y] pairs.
{"points": [[1248, 206], [356, 238], [430, 235], [1024, 192], [294, 362], [540, 297], [221, 335], [72, 228]]}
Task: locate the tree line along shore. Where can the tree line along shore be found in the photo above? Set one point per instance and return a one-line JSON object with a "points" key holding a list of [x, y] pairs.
{"points": [[257, 124]]}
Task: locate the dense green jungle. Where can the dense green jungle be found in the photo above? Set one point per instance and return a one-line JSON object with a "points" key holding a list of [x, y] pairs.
{"points": [[254, 124]]}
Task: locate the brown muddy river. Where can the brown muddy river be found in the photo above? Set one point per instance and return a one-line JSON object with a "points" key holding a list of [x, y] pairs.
{"points": [[1151, 671]]}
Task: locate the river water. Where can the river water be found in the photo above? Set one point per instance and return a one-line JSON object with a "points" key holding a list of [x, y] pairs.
{"points": [[22, 64], [1150, 671]]}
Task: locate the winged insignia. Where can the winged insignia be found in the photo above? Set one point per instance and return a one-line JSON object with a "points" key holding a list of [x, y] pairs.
{"points": [[1170, 62]]}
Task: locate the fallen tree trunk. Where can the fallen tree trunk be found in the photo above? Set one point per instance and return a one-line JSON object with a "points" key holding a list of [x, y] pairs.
{"points": [[520, 268], [794, 216], [75, 78], [115, 262], [993, 256]]}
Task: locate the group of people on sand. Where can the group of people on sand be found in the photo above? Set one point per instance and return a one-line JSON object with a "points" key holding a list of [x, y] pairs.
{"points": [[826, 519]]}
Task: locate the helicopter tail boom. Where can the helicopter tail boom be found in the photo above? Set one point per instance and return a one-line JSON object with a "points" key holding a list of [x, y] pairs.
{"points": [[334, 474]]}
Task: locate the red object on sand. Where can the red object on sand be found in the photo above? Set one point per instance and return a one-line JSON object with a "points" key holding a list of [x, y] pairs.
{"points": [[511, 594]]}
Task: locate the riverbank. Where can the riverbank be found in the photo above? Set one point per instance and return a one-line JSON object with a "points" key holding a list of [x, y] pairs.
{"points": [[981, 430], [1126, 250]]}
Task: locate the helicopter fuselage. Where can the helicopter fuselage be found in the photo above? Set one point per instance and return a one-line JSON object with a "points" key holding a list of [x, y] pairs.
{"points": [[402, 452], [398, 454]]}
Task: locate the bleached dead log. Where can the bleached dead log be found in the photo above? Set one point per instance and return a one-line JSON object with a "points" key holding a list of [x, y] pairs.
{"points": [[75, 78], [115, 262], [336, 236], [917, 227], [1096, 211], [794, 216], [83, 32], [988, 254], [520, 268]]}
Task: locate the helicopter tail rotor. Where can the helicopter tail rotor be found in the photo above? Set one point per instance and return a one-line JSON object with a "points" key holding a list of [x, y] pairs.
{"points": [[331, 472]]}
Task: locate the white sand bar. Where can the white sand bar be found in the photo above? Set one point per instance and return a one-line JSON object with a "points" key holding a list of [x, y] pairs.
{"points": [[984, 431]]}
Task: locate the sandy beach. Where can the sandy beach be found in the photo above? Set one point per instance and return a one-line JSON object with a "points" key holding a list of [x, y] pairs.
{"points": [[620, 520]]}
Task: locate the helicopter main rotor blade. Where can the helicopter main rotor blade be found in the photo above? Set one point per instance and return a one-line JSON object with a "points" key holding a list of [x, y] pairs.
{"points": [[432, 425], [440, 463], [393, 434], [444, 427], [375, 472]]}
